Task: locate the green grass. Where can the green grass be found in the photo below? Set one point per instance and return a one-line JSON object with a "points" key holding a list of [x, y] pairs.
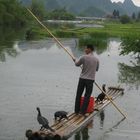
{"points": [[115, 30], [109, 30]]}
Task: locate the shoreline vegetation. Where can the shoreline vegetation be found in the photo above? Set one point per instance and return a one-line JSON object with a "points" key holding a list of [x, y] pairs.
{"points": [[109, 29], [128, 33]]}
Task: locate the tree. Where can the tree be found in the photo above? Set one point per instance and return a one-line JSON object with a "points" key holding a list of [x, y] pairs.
{"points": [[138, 18], [125, 19], [60, 14], [37, 7], [12, 13], [130, 45], [133, 16], [2, 11], [116, 14], [129, 74]]}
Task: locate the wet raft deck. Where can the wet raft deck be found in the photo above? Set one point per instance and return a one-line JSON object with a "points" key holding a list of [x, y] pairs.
{"points": [[66, 128]]}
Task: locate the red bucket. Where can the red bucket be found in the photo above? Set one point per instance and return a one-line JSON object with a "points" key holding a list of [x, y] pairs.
{"points": [[90, 105]]}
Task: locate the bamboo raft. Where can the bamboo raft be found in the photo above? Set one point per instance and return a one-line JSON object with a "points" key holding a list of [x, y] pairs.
{"points": [[66, 128]]}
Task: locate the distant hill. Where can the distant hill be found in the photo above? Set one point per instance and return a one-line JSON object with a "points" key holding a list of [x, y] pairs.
{"points": [[99, 8]]}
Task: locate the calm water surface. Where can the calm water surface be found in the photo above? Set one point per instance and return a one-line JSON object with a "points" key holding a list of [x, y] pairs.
{"points": [[43, 75]]}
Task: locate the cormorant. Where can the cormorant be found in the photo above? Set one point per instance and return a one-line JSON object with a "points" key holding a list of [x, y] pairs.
{"points": [[60, 115], [101, 96], [43, 121]]}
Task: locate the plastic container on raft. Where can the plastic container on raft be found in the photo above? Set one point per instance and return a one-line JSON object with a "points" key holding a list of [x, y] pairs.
{"points": [[90, 108]]}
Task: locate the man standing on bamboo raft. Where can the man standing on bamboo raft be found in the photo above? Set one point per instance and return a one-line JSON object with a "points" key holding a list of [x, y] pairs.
{"points": [[89, 64]]}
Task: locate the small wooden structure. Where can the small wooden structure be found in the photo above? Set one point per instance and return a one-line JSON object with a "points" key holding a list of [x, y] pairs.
{"points": [[66, 128]]}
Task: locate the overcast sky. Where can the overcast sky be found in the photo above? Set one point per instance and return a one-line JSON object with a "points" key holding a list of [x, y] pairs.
{"points": [[136, 2]]}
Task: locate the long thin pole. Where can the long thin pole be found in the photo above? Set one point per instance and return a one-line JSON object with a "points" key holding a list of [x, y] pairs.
{"points": [[110, 100], [72, 57], [50, 33]]}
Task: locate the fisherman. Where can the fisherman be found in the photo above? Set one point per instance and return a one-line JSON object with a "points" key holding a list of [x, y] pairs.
{"points": [[89, 64]]}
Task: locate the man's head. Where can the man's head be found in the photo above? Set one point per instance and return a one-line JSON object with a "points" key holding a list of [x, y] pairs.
{"points": [[89, 49]]}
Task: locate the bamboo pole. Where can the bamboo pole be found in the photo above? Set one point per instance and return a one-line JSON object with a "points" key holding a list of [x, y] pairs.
{"points": [[61, 45], [110, 100]]}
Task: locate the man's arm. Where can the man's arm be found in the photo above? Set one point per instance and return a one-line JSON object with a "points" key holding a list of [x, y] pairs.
{"points": [[79, 61]]}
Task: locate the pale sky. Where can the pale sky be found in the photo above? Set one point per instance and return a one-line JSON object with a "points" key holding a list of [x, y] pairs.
{"points": [[136, 2]]}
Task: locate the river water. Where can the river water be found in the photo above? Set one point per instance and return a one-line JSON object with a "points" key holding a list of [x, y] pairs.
{"points": [[41, 74]]}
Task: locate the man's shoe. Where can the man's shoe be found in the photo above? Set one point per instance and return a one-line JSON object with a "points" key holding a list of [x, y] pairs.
{"points": [[77, 113], [82, 115]]}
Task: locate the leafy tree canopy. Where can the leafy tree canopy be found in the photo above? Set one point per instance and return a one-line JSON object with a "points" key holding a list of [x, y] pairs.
{"points": [[12, 13], [125, 19], [60, 14], [38, 8], [131, 44]]}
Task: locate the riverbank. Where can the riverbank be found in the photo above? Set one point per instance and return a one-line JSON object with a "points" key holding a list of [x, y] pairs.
{"points": [[129, 34], [108, 29]]}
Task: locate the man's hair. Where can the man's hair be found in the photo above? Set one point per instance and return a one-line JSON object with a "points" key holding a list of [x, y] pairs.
{"points": [[89, 46]]}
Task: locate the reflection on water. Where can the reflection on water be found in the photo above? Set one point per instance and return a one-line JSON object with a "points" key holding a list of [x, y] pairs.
{"points": [[11, 48], [102, 117], [4, 51], [97, 40], [129, 74], [102, 47], [82, 135], [110, 130], [8, 43]]}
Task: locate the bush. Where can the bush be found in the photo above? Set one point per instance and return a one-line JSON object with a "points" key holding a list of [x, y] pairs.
{"points": [[125, 19], [63, 34]]}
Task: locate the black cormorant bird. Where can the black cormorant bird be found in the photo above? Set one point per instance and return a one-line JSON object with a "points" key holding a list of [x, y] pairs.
{"points": [[43, 121], [101, 96], [60, 115]]}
